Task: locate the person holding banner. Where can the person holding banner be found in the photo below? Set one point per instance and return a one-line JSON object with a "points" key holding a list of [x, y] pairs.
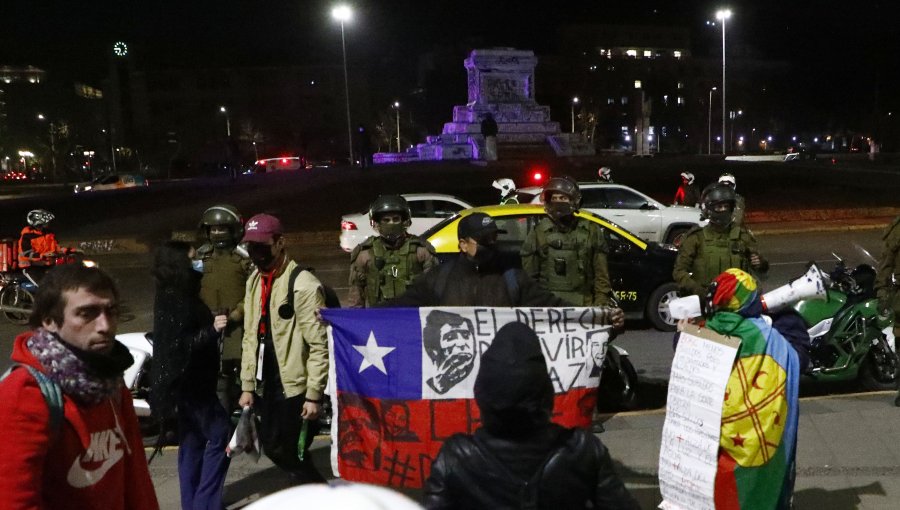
{"points": [[567, 255], [284, 359], [723, 243], [760, 414], [482, 276], [519, 458]]}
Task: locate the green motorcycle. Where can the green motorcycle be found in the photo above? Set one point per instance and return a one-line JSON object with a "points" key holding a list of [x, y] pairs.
{"points": [[849, 339]]}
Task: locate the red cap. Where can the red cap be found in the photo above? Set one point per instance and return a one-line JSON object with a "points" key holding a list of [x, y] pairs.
{"points": [[262, 228]]}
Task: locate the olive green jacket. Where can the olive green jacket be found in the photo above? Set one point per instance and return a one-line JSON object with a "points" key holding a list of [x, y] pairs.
{"points": [[577, 272], [365, 274], [301, 342], [222, 289], [706, 252], [887, 281]]}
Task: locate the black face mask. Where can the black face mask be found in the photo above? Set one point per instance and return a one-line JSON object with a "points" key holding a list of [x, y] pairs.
{"points": [[559, 210], [720, 219], [485, 254]]}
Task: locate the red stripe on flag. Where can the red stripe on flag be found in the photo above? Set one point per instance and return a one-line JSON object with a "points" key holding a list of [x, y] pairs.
{"points": [[394, 442]]}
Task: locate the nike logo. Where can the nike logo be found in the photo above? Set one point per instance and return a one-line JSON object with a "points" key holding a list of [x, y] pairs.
{"points": [[103, 450]]}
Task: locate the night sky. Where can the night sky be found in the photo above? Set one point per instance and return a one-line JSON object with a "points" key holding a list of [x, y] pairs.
{"points": [[832, 41]]}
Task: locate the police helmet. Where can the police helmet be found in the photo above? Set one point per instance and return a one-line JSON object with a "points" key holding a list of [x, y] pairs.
{"points": [[223, 215], [390, 204], [716, 194], [728, 180], [506, 186], [604, 174], [564, 185], [39, 218], [349, 496], [688, 177]]}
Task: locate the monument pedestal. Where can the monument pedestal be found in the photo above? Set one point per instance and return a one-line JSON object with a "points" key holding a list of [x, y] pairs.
{"points": [[500, 82]]}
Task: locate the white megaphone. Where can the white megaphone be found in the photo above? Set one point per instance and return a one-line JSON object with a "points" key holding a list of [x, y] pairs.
{"points": [[809, 286]]}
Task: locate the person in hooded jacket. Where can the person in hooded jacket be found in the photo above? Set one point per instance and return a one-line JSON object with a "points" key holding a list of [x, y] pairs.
{"points": [[519, 458], [483, 276], [184, 377]]}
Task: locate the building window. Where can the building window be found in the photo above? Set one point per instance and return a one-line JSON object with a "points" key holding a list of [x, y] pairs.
{"points": [[610, 100], [631, 53], [676, 54], [637, 84], [624, 99], [680, 100], [680, 85], [648, 54]]}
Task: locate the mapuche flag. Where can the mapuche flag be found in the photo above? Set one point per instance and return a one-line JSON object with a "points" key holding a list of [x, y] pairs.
{"points": [[758, 439], [402, 380]]}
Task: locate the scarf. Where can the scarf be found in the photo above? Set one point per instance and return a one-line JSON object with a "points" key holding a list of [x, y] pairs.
{"points": [[87, 378]]}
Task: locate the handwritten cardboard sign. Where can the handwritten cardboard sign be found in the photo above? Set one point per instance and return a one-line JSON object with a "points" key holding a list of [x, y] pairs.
{"points": [[690, 437]]}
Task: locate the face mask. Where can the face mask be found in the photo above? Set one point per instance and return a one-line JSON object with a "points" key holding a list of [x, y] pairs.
{"points": [[720, 219], [221, 240], [559, 210], [197, 265], [391, 232], [484, 254]]}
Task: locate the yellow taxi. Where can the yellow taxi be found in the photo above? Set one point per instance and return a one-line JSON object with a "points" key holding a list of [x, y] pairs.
{"points": [[640, 271]]}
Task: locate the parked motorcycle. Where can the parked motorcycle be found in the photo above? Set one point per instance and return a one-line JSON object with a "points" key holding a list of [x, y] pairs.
{"points": [[849, 339]]}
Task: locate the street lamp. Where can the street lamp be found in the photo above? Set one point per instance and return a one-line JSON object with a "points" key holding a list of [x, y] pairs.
{"points": [[40, 116], [343, 13], [227, 120], [709, 123], [574, 102], [723, 15], [396, 107]]}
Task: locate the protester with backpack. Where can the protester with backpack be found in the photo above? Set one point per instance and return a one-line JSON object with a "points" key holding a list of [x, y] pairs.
{"points": [[72, 438]]}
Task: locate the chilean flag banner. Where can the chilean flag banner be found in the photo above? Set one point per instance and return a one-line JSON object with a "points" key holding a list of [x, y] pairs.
{"points": [[402, 380]]}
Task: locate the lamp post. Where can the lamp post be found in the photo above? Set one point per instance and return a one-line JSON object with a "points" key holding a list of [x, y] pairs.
{"points": [[574, 102], [343, 13], [227, 120], [396, 107], [709, 123], [723, 15], [52, 145]]}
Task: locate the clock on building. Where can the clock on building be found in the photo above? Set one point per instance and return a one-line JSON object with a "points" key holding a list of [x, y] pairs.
{"points": [[120, 49]]}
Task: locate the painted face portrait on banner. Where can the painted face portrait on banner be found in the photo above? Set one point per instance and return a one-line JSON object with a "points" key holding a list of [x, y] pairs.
{"points": [[449, 341], [597, 348], [359, 432]]}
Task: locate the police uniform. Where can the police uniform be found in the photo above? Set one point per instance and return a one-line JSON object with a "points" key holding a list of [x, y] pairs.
{"points": [[887, 282], [571, 264], [378, 272], [706, 252], [222, 288]]}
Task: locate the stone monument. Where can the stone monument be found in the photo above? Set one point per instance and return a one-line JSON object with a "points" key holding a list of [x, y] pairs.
{"points": [[500, 82]]}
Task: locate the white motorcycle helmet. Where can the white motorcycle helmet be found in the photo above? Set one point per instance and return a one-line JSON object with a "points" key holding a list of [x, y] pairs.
{"points": [[506, 186], [689, 177], [39, 218], [343, 496], [728, 180], [604, 174]]}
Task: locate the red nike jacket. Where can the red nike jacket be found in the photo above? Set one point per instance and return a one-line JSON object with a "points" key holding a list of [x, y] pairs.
{"points": [[95, 460]]}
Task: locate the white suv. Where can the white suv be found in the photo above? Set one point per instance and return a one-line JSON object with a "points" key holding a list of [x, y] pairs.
{"points": [[427, 209], [634, 211]]}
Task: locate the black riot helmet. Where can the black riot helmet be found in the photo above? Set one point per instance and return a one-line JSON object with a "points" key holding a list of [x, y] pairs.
{"points": [[390, 204], [222, 215], [564, 186], [714, 195]]}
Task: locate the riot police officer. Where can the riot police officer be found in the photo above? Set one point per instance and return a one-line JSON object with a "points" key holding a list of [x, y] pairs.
{"points": [[382, 266], [225, 271], [507, 189], [722, 244], [565, 253]]}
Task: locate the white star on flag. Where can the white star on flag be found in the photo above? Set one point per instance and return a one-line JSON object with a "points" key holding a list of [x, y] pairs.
{"points": [[373, 355]]}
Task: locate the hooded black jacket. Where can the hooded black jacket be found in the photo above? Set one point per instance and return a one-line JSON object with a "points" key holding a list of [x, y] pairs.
{"points": [[519, 459], [461, 282]]}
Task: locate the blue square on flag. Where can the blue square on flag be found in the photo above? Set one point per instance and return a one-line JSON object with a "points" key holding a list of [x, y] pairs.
{"points": [[377, 352]]}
